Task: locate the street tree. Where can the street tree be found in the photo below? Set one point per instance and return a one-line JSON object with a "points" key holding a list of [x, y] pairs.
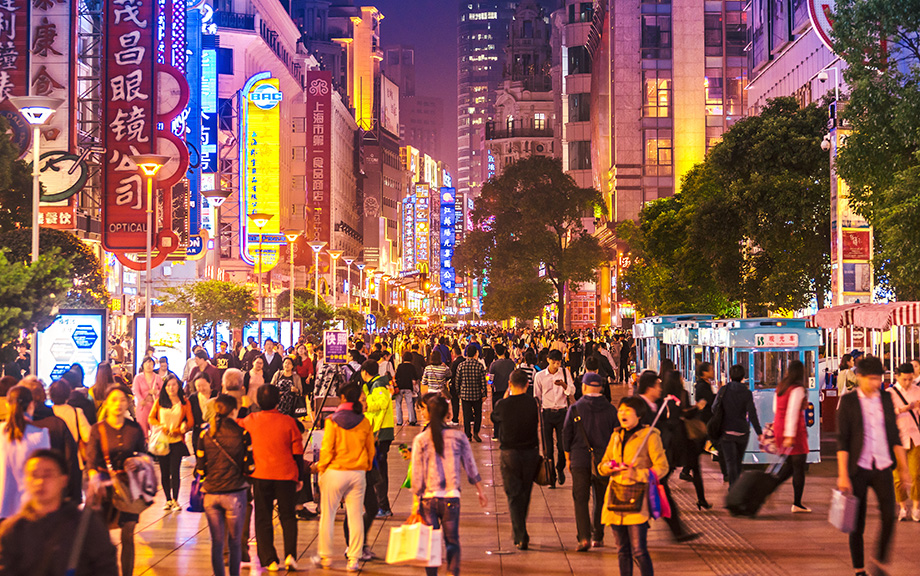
{"points": [[88, 289], [210, 302], [878, 39], [31, 293], [15, 184], [530, 218]]}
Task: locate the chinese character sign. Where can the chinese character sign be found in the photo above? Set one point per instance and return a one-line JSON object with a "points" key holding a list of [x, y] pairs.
{"points": [[421, 224], [447, 239], [50, 70], [14, 48], [129, 120], [319, 154], [260, 169], [776, 340], [408, 233]]}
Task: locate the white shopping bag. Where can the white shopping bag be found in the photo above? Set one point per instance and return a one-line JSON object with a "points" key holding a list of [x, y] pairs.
{"points": [[844, 508], [410, 544], [437, 549]]}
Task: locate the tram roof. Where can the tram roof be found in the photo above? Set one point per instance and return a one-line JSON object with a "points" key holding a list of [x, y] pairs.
{"points": [[653, 326]]}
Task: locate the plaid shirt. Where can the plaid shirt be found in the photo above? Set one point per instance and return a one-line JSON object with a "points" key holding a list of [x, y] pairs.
{"points": [[471, 380]]}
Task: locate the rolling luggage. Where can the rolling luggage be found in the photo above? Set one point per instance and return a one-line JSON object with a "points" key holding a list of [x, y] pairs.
{"points": [[751, 490]]}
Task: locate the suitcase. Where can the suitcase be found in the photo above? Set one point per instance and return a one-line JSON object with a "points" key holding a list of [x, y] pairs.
{"points": [[751, 490]]}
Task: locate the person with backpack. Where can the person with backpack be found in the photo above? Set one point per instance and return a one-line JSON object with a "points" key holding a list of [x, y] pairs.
{"points": [[589, 423], [112, 442], [225, 459], [516, 419], [633, 452]]}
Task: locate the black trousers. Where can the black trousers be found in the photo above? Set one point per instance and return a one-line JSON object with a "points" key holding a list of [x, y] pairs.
{"points": [[472, 416], [382, 486], [519, 468], [731, 450], [674, 522], [882, 483], [795, 468], [588, 512], [454, 404], [265, 493], [552, 422], [169, 469]]}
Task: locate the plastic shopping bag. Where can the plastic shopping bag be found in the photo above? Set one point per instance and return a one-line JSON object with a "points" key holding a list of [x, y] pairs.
{"points": [[415, 545], [654, 497], [843, 511]]}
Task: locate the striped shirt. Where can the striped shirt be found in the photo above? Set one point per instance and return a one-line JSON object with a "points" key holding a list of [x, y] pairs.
{"points": [[436, 377], [531, 372]]}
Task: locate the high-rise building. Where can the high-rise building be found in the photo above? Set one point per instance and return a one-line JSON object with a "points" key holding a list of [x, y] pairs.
{"points": [[651, 121], [575, 19], [482, 37], [421, 117]]}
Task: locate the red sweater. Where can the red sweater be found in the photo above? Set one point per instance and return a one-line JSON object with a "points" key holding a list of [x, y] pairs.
{"points": [[275, 442]]}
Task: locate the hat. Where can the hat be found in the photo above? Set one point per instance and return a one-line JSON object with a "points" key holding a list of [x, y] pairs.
{"points": [[856, 353], [593, 380]]}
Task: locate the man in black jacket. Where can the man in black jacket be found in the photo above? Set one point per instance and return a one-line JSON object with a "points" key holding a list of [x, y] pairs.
{"points": [[868, 450], [592, 418], [516, 419], [273, 360]]}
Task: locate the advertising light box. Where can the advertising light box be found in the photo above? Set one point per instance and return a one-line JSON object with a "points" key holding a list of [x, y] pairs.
{"points": [[271, 328], [75, 337], [285, 336], [170, 336], [206, 338]]}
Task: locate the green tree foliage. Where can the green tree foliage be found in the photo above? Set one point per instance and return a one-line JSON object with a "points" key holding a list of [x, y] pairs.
{"points": [[881, 156], [15, 185], [30, 294], [354, 320], [210, 302], [751, 225], [527, 218], [88, 289]]}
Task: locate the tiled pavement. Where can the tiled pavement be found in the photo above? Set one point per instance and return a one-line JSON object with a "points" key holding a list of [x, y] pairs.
{"points": [[774, 544]]}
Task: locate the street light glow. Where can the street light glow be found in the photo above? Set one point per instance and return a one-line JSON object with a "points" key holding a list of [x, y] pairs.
{"points": [[149, 164], [36, 109], [260, 219]]}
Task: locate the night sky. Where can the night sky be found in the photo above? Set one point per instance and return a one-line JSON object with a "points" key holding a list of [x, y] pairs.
{"points": [[430, 26]]}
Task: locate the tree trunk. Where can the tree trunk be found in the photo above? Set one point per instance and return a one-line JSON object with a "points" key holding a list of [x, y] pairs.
{"points": [[560, 306]]}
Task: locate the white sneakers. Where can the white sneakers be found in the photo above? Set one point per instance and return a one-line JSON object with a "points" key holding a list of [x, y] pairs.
{"points": [[321, 562], [903, 515], [915, 514], [800, 509], [171, 505], [353, 566]]}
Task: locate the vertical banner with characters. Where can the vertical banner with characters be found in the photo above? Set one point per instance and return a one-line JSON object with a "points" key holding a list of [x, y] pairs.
{"points": [[319, 154], [447, 240]]}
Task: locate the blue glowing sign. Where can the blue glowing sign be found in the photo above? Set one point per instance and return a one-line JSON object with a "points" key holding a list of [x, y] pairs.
{"points": [[447, 239], [265, 97], [84, 336]]}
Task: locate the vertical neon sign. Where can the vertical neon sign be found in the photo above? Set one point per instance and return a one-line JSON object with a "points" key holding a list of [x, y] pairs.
{"points": [[448, 239]]}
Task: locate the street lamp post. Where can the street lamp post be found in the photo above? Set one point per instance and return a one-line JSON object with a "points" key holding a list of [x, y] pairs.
{"points": [[334, 255], [36, 110], [316, 246], [348, 260], [216, 198], [149, 164], [260, 219], [291, 236], [360, 266], [367, 291]]}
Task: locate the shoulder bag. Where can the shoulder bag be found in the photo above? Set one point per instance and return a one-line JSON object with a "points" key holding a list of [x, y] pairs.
{"points": [[544, 469], [906, 403], [714, 426], [129, 491], [626, 498], [584, 436]]}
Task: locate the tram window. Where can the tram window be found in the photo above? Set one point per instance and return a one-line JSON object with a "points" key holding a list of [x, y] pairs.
{"points": [[810, 369], [744, 359], [770, 367]]}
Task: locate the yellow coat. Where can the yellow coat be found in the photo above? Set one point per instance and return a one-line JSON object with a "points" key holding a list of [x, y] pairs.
{"points": [[652, 457]]}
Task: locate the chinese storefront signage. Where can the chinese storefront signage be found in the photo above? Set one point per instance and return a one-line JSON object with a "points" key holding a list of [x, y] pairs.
{"points": [[408, 233], [319, 154], [421, 225], [448, 239]]}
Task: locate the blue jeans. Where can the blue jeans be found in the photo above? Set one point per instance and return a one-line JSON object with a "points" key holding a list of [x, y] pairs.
{"points": [[631, 544], [410, 407], [444, 513], [226, 514]]}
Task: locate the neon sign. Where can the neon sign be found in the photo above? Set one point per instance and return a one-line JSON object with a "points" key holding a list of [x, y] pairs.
{"points": [[448, 240]]}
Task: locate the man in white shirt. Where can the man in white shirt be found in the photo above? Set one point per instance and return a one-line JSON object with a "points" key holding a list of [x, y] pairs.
{"points": [[868, 450], [905, 395], [554, 388]]}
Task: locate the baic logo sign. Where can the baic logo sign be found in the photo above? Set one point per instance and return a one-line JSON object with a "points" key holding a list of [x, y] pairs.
{"points": [[265, 97]]}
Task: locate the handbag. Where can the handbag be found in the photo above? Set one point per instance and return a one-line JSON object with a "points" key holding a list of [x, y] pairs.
{"points": [[714, 426], [626, 498], [158, 443], [196, 497], [767, 440], [543, 472], [131, 492], [696, 428], [843, 511]]}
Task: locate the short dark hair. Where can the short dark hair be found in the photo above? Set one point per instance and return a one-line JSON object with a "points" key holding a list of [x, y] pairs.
{"points": [[60, 392], [54, 456], [636, 403], [737, 373], [201, 354], [906, 368], [470, 351], [702, 368], [648, 379], [591, 364], [554, 355], [519, 378], [845, 359], [375, 356], [203, 376], [500, 350], [268, 397], [870, 366], [407, 357], [371, 367]]}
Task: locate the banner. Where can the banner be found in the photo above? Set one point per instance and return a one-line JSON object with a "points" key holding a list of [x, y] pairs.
{"points": [[129, 119], [260, 172], [448, 240], [422, 224], [319, 154], [51, 70], [14, 48]]}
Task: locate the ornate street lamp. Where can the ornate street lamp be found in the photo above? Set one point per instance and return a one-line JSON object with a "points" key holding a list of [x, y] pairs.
{"points": [[334, 255], [360, 266], [260, 219], [348, 260], [316, 246], [291, 236]]}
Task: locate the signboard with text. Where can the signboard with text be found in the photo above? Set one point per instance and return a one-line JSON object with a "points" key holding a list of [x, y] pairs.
{"points": [[170, 336], [75, 337], [319, 154], [335, 346], [447, 240], [776, 340], [422, 224]]}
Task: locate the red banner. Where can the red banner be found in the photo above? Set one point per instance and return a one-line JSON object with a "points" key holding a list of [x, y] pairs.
{"points": [[857, 245], [319, 153], [14, 48], [130, 93]]}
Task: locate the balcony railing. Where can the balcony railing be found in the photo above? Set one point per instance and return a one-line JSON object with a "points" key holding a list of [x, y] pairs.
{"points": [[235, 20]]}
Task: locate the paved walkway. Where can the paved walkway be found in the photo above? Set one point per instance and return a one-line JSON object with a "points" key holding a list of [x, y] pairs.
{"points": [[776, 543]]}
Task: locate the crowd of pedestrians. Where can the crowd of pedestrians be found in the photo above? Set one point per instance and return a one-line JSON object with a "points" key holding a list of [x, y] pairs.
{"points": [[279, 431]]}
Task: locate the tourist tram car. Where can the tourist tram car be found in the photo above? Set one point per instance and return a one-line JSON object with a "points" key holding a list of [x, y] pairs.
{"points": [[764, 346]]}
